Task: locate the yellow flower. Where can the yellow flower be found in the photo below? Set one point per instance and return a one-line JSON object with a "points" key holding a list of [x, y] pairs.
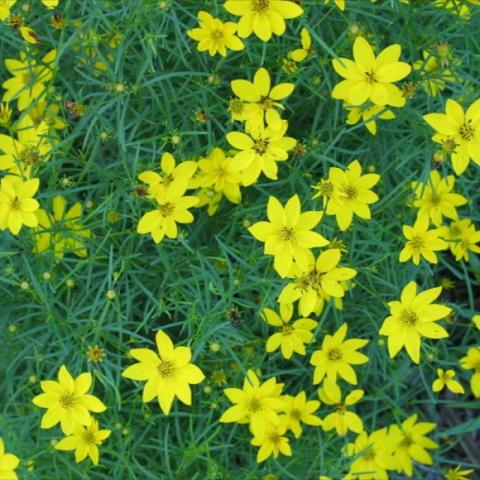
{"points": [[31, 147], [271, 441], [67, 401], [168, 373], [370, 78], [476, 321], [460, 128], [210, 197], [288, 235], [48, 113], [222, 174], [351, 194], [471, 361], [5, 114], [320, 280], [257, 404], [342, 420], [463, 238], [159, 182], [339, 3], [63, 231], [336, 357], [28, 34], [421, 242], [457, 474], [303, 53], [28, 82], [299, 409], [262, 17], [411, 444], [50, 4], [292, 336], [172, 208], [215, 35], [17, 207], [433, 73], [260, 99], [85, 441], [445, 379], [413, 317], [373, 454], [368, 114], [436, 199], [260, 150], [5, 6], [8, 461]]}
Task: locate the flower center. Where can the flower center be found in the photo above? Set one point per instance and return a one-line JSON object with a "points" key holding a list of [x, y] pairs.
{"points": [[408, 318], [369, 455], [27, 78], [466, 131], [260, 146], [287, 234], [274, 438], [435, 199], [334, 354], [68, 400], [260, 6], [417, 243], [167, 209], [266, 103], [30, 156], [89, 437], [370, 77], [350, 192], [254, 405], [341, 409], [296, 414], [217, 35], [15, 204], [287, 330], [235, 106], [406, 442], [165, 368], [325, 187]]}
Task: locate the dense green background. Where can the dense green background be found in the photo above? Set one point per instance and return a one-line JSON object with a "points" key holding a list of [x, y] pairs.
{"points": [[187, 287]]}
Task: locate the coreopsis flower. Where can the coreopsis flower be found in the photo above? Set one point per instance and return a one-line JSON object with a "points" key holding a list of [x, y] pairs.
{"points": [[471, 361], [321, 279], [413, 317], [61, 231], [433, 73], [411, 444], [29, 78], [272, 441], [457, 474], [257, 404], [373, 456], [172, 208], [8, 461], [351, 194], [85, 441], [215, 36], [369, 77], [168, 373], [259, 151], [31, 147], [288, 234], [170, 171], [5, 6], [261, 100], [17, 205], [445, 379], [421, 242], [342, 420], [462, 237], [301, 54], [67, 401], [262, 17], [436, 199], [292, 336], [336, 356], [368, 114], [221, 173], [461, 129], [298, 409]]}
